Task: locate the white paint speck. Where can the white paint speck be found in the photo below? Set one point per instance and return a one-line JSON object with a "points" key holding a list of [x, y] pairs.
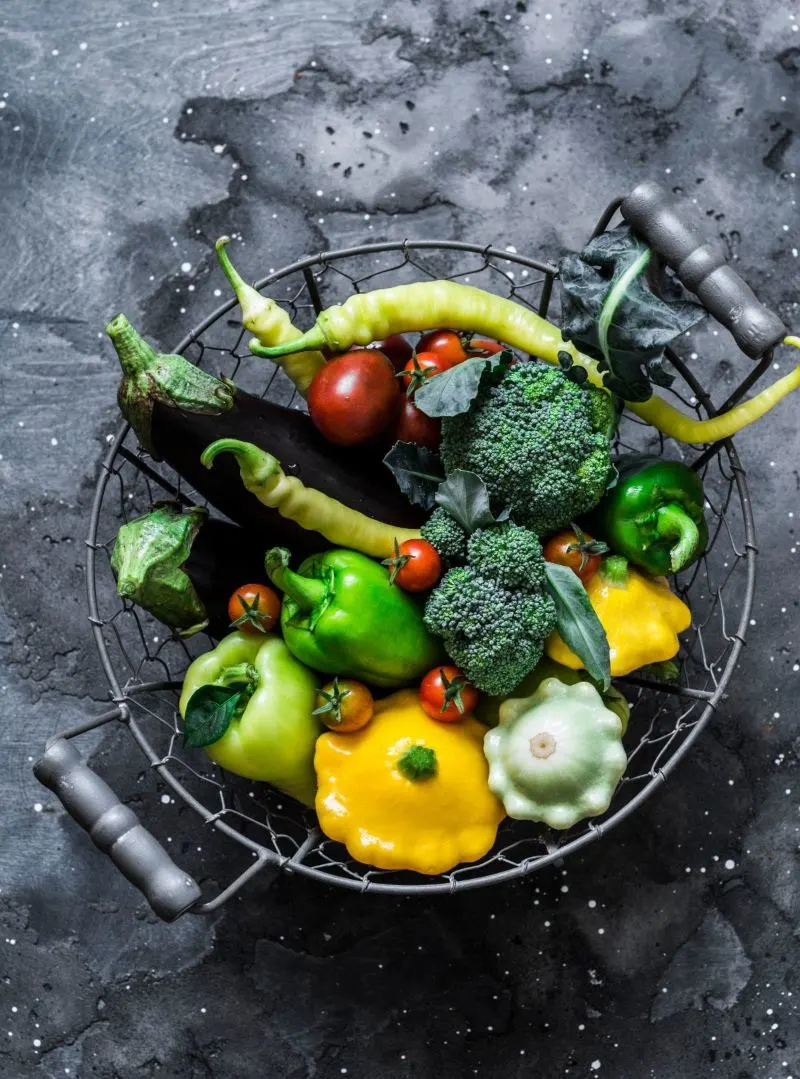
{"points": [[186, 267], [730, 864], [37, 807]]}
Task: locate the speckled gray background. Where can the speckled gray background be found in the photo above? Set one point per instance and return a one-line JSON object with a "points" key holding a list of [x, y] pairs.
{"points": [[131, 134]]}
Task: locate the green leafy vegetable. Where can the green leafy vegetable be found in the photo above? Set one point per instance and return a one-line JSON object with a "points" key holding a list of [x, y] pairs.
{"points": [[209, 713], [418, 472], [577, 623], [451, 392], [611, 313], [464, 496]]}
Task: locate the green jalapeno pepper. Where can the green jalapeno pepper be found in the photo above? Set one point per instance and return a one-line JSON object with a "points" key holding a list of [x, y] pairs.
{"points": [[653, 515], [342, 615]]}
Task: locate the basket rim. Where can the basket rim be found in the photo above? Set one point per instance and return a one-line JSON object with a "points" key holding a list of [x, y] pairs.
{"points": [[265, 855]]}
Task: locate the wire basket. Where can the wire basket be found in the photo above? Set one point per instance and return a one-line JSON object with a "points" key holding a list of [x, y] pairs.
{"points": [[145, 664]]}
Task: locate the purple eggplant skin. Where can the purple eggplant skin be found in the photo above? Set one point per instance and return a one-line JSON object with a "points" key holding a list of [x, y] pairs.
{"points": [[223, 558], [352, 476], [177, 410]]}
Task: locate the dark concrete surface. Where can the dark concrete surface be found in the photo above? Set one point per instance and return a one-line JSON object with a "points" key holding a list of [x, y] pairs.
{"points": [[131, 134]]}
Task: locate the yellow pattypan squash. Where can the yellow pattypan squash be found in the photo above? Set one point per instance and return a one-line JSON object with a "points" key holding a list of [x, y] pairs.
{"points": [[641, 616], [407, 792]]}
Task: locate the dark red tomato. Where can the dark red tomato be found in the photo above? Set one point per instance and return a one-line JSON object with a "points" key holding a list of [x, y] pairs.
{"points": [[354, 397], [576, 551], [457, 347], [415, 565], [446, 695], [396, 349], [254, 608], [421, 367], [412, 425]]}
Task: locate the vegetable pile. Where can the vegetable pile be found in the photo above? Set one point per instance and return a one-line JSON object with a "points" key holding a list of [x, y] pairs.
{"points": [[425, 585]]}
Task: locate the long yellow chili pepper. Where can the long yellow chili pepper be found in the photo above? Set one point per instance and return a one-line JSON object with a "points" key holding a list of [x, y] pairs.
{"points": [[263, 476], [372, 316], [270, 323]]}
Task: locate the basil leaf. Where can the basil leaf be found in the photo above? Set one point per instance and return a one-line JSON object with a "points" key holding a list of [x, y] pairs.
{"points": [[626, 336], [418, 472], [577, 623], [209, 713], [453, 391], [464, 496]]}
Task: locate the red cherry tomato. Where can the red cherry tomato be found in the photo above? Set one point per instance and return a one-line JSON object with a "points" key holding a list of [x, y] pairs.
{"points": [[415, 565], [576, 550], [344, 705], [444, 343], [254, 608], [396, 349], [483, 346], [446, 695], [412, 425], [354, 397], [421, 367], [457, 347]]}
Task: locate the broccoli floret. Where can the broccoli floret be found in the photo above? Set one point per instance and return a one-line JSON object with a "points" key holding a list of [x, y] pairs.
{"points": [[540, 443], [494, 634], [446, 535], [509, 553]]}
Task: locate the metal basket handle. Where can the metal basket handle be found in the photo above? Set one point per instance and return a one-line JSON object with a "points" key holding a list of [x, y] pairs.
{"points": [[701, 267], [116, 830]]}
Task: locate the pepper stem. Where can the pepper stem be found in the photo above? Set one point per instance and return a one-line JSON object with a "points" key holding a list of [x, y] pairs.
{"points": [[311, 341], [240, 672], [673, 521], [256, 466], [135, 355], [308, 593], [250, 299], [615, 570], [417, 763]]}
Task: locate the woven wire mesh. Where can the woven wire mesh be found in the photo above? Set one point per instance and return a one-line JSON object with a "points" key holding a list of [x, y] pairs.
{"points": [[145, 663]]}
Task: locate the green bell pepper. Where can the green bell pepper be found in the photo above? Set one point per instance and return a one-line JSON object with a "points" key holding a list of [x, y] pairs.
{"points": [[253, 713], [653, 515], [342, 615]]}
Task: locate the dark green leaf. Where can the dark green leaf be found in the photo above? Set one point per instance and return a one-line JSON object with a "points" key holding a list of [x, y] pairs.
{"points": [[577, 623], [626, 338], [209, 713], [464, 496], [453, 391], [418, 472]]}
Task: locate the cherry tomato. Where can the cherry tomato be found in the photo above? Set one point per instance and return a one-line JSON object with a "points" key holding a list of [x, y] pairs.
{"points": [[412, 425], [446, 695], [354, 397], [421, 367], [254, 608], [415, 565], [344, 705], [444, 343], [396, 349], [483, 346], [457, 347], [576, 550]]}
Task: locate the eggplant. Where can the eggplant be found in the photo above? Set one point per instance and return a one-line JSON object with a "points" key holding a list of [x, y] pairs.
{"points": [[177, 410], [182, 566]]}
